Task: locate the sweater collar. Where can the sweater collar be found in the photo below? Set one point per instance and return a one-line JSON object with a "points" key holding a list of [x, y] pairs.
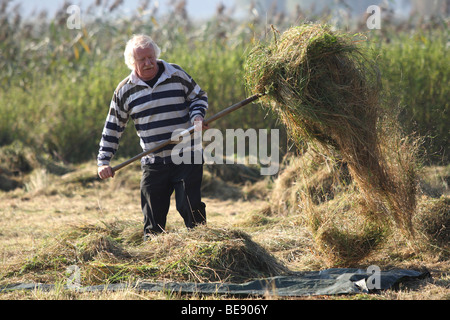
{"points": [[169, 71]]}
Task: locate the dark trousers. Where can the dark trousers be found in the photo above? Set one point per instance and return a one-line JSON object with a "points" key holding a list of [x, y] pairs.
{"points": [[158, 183]]}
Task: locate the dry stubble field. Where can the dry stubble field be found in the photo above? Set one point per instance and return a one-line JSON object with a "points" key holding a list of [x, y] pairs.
{"points": [[36, 219]]}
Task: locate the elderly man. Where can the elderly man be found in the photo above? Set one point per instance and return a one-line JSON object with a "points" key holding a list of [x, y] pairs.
{"points": [[160, 98]]}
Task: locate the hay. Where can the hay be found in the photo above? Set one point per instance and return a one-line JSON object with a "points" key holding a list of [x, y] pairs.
{"points": [[326, 93], [312, 176], [111, 253], [211, 254], [433, 221]]}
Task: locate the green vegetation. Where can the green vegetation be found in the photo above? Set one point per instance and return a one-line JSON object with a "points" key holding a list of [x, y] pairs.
{"points": [[414, 69], [56, 83]]}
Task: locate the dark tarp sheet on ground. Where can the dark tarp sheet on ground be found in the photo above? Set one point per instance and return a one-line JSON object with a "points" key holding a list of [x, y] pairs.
{"points": [[326, 282]]}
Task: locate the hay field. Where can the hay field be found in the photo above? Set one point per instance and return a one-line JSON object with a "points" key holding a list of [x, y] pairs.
{"points": [[255, 229], [55, 214]]}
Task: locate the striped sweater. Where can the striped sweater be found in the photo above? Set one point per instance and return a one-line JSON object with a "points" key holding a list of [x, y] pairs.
{"points": [[173, 102]]}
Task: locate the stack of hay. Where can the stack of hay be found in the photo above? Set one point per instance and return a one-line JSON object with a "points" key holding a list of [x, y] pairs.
{"points": [[326, 92]]}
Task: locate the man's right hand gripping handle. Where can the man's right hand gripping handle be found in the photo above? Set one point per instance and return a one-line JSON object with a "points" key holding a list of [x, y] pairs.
{"points": [[105, 172]]}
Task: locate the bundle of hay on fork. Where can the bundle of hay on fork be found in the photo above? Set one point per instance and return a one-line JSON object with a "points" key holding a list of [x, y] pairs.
{"points": [[326, 92]]}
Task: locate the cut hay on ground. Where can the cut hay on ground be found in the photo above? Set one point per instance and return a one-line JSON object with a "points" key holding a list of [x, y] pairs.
{"points": [[116, 252], [326, 92]]}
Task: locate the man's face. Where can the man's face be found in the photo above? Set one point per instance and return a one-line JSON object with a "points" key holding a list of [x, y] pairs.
{"points": [[146, 65]]}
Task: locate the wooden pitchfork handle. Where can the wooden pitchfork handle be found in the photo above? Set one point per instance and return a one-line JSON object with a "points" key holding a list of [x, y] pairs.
{"points": [[189, 131]]}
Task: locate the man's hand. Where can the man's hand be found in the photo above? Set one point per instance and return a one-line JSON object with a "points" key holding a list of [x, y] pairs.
{"points": [[200, 124], [105, 172]]}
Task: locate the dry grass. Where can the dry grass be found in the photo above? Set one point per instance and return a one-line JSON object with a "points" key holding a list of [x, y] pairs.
{"points": [[327, 94], [115, 252], [97, 226]]}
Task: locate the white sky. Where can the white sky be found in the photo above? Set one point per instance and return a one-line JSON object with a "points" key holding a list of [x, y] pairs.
{"points": [[201, 7]]}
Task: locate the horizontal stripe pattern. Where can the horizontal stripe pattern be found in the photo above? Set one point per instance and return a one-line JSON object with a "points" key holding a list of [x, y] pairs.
{"points": [[157, 112]]}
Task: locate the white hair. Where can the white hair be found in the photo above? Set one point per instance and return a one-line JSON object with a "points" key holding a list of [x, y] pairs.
{"points": [[139, 41]]}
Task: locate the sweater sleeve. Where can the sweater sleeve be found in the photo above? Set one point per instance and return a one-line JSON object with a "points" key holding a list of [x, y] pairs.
{"points": [[196, 98], [115, 125], [198, 102]]}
